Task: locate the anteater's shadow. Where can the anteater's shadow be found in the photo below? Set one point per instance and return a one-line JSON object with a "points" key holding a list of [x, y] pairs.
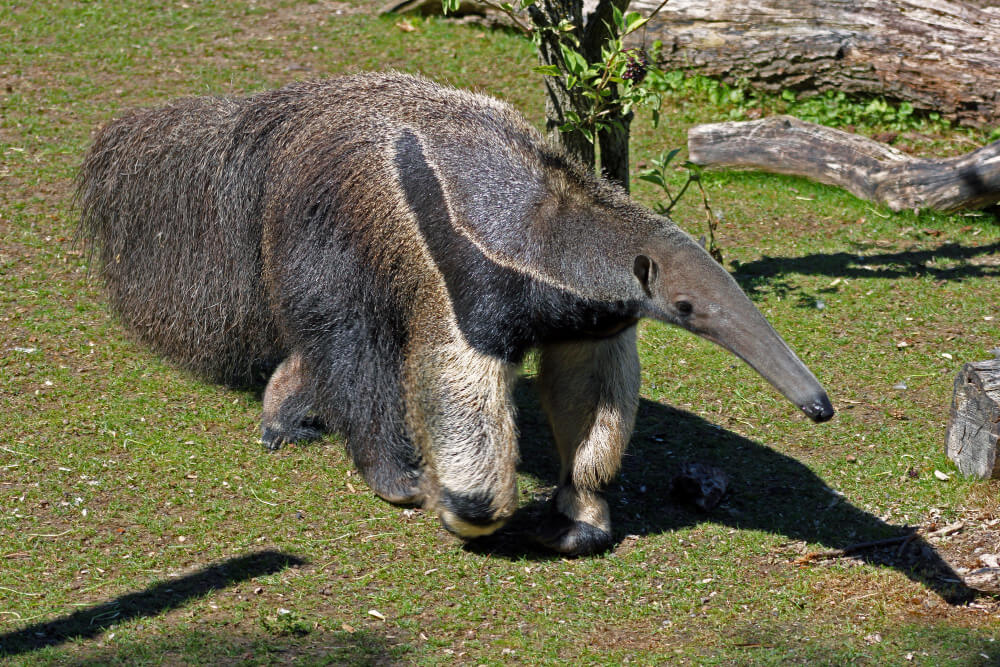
{"points": [[767, 491]]}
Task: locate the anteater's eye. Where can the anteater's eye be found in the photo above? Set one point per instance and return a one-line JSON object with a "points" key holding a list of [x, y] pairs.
{"points": [[684, 307]]}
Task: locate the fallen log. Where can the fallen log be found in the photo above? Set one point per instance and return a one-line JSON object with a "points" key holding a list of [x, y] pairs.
{"points": [[974, 428], [864, 167], [939, 55]]}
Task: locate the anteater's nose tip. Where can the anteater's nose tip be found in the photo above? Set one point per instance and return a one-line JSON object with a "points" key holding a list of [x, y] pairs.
{"points": [[819, 410]]}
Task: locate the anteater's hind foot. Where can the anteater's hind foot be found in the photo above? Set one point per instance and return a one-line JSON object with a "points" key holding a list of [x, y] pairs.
{"points": [[286, 415], [390, 465], [275, 434], [399, 484]]}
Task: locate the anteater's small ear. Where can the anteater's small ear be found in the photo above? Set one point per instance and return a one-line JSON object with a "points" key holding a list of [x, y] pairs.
{"points": [[645, 270]]}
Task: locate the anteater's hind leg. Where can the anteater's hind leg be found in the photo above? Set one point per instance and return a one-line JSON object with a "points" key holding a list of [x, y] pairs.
{"points": [[386, 459], [590, 391], [389, 463], [287, 406]]}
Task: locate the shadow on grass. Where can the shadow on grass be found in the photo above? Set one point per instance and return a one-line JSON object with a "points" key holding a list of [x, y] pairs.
{"points": [[157, 599], [955, 265], [768, 491], [187, 646]]}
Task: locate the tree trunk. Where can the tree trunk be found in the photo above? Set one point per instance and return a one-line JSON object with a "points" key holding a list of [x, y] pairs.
{"points": [[559, 99], [971, 440], [939, 55], [593, 31], [613, 143], [866, 168]]}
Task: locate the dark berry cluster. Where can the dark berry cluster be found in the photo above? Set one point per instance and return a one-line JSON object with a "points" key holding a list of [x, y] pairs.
{"points": [[636, 65]]}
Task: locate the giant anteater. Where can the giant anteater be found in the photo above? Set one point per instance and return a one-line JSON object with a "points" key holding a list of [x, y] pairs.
{"points": [[398, 247]]}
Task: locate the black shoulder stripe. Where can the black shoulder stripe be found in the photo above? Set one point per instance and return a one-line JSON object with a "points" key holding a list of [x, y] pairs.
{"points": [[500, 311]]}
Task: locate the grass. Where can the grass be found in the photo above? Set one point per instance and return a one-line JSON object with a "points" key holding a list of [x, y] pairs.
{"points": [[141, 523]]}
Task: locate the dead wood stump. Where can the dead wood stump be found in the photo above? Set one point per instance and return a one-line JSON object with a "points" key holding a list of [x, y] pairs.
{"points": [[974, 428]]}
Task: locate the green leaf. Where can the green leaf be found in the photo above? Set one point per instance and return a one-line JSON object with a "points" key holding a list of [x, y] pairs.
{"points": [[450, 6], [651, 176], [633, 21], [547, 70], [616, 17], [575, 63]]}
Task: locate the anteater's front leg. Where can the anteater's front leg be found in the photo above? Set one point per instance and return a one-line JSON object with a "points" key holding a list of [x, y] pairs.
{"points": [[590, 391], [460, 412]]}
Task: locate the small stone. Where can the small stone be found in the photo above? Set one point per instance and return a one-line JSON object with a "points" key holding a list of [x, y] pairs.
{"points": [[700, 484]]}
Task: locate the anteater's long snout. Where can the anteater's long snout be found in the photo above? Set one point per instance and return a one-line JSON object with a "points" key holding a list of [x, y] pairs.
{"points": [[752, 338], [819, 410], [688, 288]]}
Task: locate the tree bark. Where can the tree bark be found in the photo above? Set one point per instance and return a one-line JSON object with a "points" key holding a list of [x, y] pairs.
{"points": [[866, 168], [971, 440], [613, 143], [593, 27], [939, 55]]}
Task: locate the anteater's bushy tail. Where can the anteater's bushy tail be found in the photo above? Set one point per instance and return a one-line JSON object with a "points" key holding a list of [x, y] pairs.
{"points": [[171, 200]]}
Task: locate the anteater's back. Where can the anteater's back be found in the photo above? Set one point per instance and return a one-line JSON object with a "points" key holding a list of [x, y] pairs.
{"points": [[177, 200], [171, 198]]}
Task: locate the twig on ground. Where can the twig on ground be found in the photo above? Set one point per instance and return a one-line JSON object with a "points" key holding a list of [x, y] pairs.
{"points": [[260, 500], [30, 595], [65, 532], [860, 546]]}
